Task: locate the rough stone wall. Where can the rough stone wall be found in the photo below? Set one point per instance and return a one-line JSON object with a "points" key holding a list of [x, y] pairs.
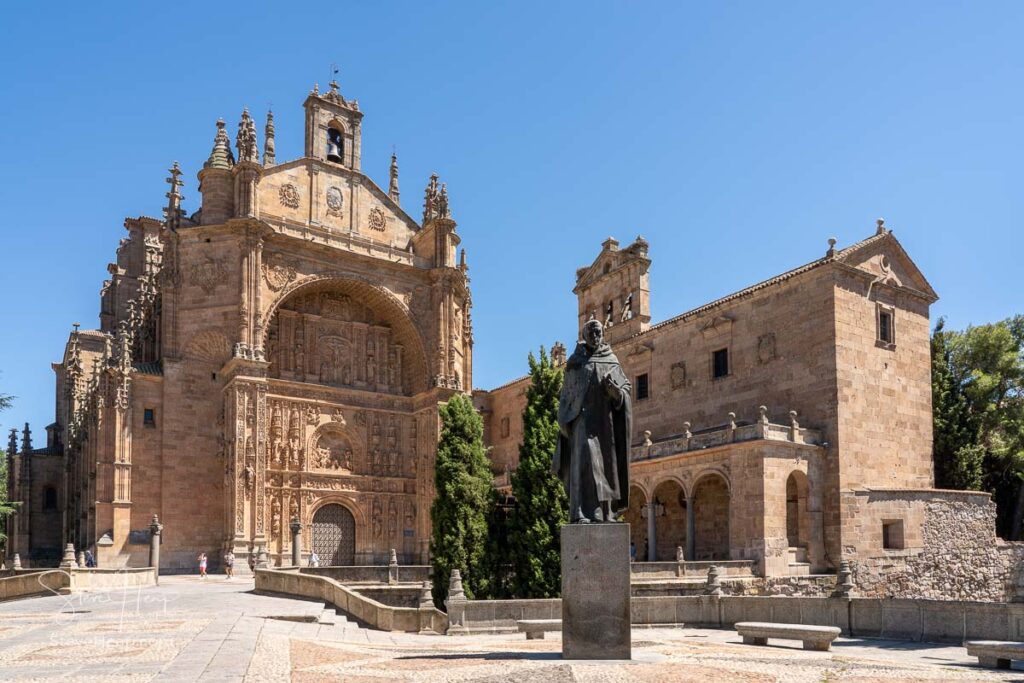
{"points": [[951, 553]]}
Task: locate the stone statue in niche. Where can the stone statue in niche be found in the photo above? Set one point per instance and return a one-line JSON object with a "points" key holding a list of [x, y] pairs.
{"points": [[275, 517], [378, 525], [594, 418], [392, 519], [627, 308]]}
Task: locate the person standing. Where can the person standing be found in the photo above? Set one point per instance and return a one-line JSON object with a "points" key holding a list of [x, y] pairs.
{"points": [[252, 560], [229, 564], [202, 565], [314, 559], [632, 551]]}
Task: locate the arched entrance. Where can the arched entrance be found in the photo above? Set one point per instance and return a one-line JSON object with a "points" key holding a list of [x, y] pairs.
{"points": [[670, 520], [711, 518], [334, 535], [636, 517]]}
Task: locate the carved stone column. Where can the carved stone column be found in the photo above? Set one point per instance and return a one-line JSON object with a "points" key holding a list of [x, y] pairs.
{"points": [[155, 527], [652, 539], [296, 527]]}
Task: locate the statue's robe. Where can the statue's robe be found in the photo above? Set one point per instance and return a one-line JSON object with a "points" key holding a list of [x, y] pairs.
{"points": [[592, 456]]}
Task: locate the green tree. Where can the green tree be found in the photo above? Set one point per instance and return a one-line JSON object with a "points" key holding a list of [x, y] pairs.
{"points": [[957, 456], [463, 501], [541, 506], [985, 372]]}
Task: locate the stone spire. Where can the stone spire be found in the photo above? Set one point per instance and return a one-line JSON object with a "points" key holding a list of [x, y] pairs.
{"points": [[172, 213], [245, 140], [269, 155], [12, 442], [430, 199], [220, 156], [393, 183], [26, 439]]}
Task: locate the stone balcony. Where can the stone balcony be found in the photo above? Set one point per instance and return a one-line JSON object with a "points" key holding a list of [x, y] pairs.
{"points": [[732, 431]]}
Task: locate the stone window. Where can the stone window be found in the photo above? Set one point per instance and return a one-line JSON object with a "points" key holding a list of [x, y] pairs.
{"points": [[49, 498], [892, 534], [505, 429], [886, 320], [149, 417], [643, 387], [720, 363]]}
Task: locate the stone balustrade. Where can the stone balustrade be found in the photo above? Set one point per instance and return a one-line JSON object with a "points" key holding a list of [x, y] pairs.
{"points": [[732, 431]]}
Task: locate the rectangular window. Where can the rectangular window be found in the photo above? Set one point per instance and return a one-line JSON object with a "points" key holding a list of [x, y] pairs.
{"points": [[892, 534], [720, 363], [643, 387], [504, 428], [149, 417], [886, 326]]}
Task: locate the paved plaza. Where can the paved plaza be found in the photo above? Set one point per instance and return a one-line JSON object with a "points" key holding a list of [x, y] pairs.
{"points": [[189, 629]]}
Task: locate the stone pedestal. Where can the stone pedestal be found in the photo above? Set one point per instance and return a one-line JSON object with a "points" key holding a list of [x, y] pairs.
{"points": [[595, 591]]}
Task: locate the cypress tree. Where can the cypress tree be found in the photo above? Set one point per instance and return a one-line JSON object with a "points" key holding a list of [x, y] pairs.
{"points": [[461, 508], [957, 454], [541, 506]]}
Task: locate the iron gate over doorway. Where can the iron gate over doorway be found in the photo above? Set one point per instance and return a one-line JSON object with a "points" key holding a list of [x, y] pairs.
{"points": [[334, 535]]}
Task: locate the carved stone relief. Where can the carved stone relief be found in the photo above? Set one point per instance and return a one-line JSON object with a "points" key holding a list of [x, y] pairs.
{"points": [[677, 375], [288, 195], [335, 201], [278, 273], [377, 221], [208, 274]]}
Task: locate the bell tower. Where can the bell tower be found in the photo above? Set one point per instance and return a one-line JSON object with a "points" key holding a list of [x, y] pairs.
{"points": [[333, 128], [615, 289]]}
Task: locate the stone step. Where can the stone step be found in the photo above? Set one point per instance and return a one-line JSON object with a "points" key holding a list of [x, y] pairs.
{"points": [[799, 568], [329, 616]]}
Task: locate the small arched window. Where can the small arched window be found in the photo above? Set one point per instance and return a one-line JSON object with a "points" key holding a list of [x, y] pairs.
{"points": [[335, 145], [49, 498]]}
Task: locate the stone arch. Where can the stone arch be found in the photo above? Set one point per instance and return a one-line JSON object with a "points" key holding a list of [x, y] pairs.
{"points": [[798, 522], [711, 504], [634, 515], [670, 518], [374, 297], [333, 532]]}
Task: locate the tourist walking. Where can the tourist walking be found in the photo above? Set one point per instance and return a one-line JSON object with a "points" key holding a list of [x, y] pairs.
{"points": [[252, 560], [90, 560], [202, 565], [632, 551], [314, 559], [229, 564]]}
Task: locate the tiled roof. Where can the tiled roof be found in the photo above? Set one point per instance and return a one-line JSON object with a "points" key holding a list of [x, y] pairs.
{"points": [[837, 256], [154, 368]]}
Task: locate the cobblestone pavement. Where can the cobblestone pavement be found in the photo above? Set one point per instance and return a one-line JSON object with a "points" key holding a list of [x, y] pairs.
{"points": [[189, 629]]}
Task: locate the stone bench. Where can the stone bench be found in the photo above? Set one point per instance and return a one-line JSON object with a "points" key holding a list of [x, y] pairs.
{"points": [[995, 653], [535, 628], [813, 637]]}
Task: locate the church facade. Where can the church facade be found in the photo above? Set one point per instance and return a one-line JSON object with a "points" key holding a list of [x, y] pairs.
{"points": [[279, 355]]}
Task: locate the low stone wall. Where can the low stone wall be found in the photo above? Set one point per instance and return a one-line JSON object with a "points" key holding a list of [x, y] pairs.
{"points": [[111, 579], [25, 583], [644, 570], [812, 585], [407, 595], [947, 548], [374, 614], [915, 620], [403, 573]]}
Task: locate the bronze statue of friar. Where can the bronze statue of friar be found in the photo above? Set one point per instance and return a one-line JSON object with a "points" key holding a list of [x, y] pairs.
{"points": [[594, 418]]}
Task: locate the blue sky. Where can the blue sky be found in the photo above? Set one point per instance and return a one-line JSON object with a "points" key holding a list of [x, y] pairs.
{"points": [[736, 137]]}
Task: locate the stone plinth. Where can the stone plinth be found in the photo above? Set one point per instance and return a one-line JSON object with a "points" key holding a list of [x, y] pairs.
{"points": [[595, 591]]}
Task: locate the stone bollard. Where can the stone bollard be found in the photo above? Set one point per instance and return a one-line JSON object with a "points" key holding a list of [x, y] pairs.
{"points": [[426, 608], [456, 604], [155, 528], [17, 561], [296, 527], [713, 586], [393, 567], [69, 557], [262, 561], [680, 559], [81, 559], [844, 580]]}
